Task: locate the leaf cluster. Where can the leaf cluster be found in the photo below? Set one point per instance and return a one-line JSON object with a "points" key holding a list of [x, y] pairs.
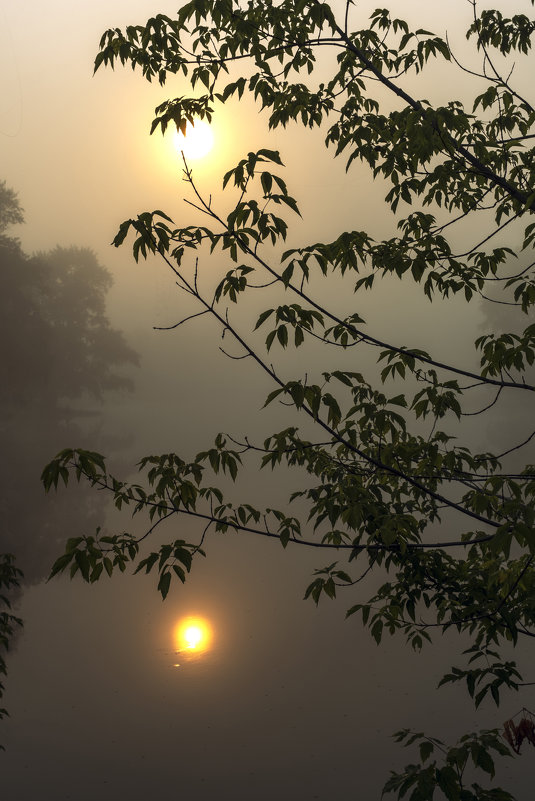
{"points": [[10, 577], [446, 767]]}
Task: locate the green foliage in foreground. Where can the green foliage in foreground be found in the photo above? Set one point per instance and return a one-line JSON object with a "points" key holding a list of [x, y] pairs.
{"points": [[444, 768], [385, 468], [10, 576]]}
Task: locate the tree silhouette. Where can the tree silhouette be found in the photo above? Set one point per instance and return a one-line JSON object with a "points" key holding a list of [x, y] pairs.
{"points": [[387, 468], [57, 348]]}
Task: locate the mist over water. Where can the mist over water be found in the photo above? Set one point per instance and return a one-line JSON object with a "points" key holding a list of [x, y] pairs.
{"points": [[290, 701]]}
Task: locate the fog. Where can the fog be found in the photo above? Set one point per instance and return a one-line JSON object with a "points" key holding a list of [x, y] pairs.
{"points": [[292, 701]]}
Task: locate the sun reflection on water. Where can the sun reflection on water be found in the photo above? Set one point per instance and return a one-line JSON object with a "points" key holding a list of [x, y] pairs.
{"points": [[192, 638]]}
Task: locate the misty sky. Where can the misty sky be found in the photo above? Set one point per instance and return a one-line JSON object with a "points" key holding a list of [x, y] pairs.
{"points": [[291, 702]]}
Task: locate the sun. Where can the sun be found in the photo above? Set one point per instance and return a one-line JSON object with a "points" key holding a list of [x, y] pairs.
{"points": [[193, 634], [197, 141]]}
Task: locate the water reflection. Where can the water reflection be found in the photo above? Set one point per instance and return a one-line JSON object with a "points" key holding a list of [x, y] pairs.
{"points": [[193, 637]]}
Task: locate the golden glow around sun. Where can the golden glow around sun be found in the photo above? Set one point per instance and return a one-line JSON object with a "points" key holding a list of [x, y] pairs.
{"points": [[193, 635], [197, 142]]}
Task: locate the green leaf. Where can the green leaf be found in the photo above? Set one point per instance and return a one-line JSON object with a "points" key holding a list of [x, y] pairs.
{"points": [[164, 584], [448, 783], [426, 749]]}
